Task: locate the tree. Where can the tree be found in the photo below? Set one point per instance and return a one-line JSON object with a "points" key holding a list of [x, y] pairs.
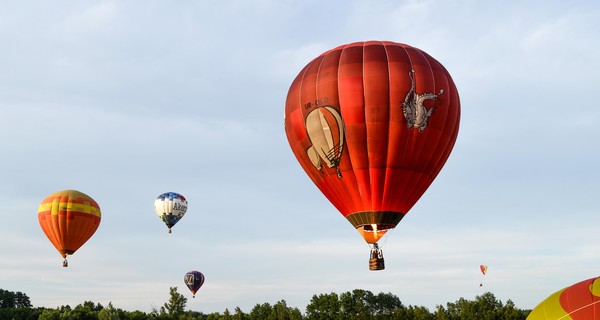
{"points": [[385, 304], [239, 314], [281, 311], [176, 304], [137, 315], [50, 314], [9, 299], [323, 307], [510, 312], [357, 305], [227, 315], [108, 313], [213, 316], [485, 307], [260, 311], [441, 313], [420, 313]]}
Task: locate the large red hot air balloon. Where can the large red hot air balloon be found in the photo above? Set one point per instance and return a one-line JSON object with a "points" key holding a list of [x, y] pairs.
{"points": [[372, 123]]}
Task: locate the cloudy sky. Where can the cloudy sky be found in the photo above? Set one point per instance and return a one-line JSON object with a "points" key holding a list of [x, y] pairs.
{"points": [[125, 100]]}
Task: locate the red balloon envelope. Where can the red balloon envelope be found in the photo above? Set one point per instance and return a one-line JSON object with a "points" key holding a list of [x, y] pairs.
{"points": [[372, 123]]}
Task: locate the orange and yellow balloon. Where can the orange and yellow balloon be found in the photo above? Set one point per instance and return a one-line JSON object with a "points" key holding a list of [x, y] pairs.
{"points": [[580, 301], [68, 218]]}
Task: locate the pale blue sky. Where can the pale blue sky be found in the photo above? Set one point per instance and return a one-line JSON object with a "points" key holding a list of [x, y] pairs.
{"points": [[127, 100]]}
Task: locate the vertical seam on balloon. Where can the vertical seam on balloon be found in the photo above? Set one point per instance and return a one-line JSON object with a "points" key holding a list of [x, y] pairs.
{"points": [[349, 157], [419, 185], [366, 132], [50, 226], [376, 199], [300, 92], [72, 235], [389, 123], [317, 80], [317, 75], [443, 157], [56, 226], [407, 142], [62, 233], [348, 207], [299, 97]]}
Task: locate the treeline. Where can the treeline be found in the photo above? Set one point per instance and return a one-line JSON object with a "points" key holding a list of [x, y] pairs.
{"points": [[355, 305]]}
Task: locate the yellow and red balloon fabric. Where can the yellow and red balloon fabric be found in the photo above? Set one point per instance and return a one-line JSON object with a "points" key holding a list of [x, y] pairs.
{"points": [[580, 301], [69, 218], [483, 268], [372, 123]]}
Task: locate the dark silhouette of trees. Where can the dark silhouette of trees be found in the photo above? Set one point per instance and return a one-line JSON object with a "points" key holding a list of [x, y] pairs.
{"points": [[484, 307], [9, 299], [353, 305]]}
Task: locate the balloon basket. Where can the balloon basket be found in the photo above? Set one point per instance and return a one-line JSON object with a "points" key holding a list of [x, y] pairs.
{"points": [[376, 264], [376, 261]]}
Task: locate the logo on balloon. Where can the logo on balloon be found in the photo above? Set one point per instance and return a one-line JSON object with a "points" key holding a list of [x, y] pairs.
{"points": [[415, 112], [189, 279], [325, 130]]}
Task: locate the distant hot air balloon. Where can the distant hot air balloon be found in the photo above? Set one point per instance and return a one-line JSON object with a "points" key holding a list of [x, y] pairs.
{"points": [[372, 123], [193, 280], [170, 207], [483, 269], [580, 301], [68, 218]]}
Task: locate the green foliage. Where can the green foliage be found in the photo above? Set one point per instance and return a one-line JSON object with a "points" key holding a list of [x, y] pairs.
{"points": [[109, 313], [282, 312], [485, 307], [355, 305], [176, 305], [50, 314], [260, 311], [324, 307], [9, 299]]}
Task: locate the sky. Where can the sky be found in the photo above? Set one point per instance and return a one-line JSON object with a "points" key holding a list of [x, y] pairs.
{"points": [[125, 100]]}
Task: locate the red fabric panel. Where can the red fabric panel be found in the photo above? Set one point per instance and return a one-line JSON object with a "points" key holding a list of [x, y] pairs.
{"points": [[579, 301]]}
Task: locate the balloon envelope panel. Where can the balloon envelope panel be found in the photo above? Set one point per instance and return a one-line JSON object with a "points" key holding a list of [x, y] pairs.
{"points": [[580, 301]]}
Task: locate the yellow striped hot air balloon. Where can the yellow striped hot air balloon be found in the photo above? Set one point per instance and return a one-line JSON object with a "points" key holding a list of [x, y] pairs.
{"points": [[68, 218]]}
